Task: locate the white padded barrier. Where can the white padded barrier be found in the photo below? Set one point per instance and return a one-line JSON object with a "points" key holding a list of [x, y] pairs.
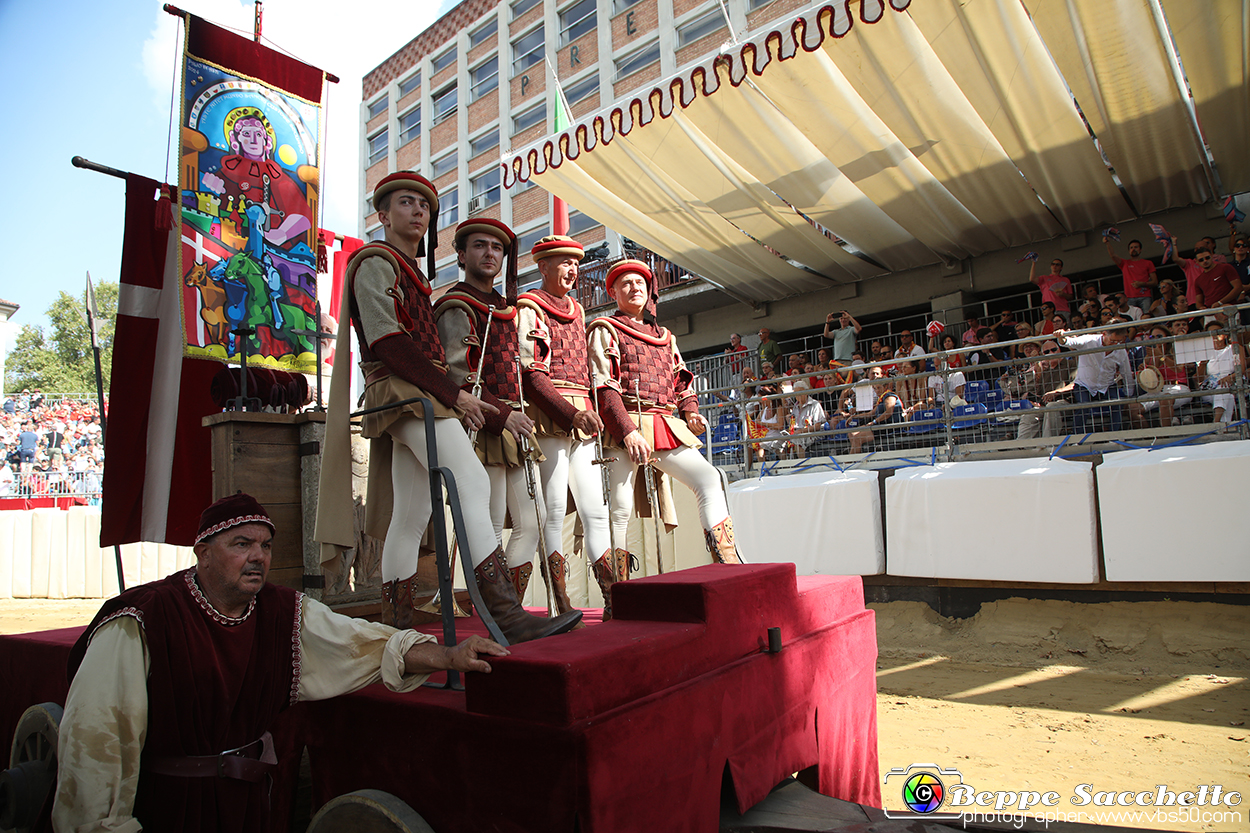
{"points": [[1176, 514], [825, 523], [995, 520], [55, 554]]}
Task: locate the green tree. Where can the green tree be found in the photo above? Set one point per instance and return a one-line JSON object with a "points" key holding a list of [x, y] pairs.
{"points": [[60, 360]]}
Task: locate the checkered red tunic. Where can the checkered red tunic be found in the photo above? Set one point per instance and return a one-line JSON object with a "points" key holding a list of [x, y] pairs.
{"points": [[647, 357], [411, 296], [499, 370], [569, 360]]}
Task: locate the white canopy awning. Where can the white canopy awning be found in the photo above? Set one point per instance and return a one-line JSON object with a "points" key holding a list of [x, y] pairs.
{"points": [[923, 131]]}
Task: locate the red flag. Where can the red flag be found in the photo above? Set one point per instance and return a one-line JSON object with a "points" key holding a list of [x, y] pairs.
{"points": [[158, 471]]}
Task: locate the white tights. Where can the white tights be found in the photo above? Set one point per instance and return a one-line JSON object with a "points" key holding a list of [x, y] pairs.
{"points": [[686, 465], [569, 467], [410, 478], [509, 493]]}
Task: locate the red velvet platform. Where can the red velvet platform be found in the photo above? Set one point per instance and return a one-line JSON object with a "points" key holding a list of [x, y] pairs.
{"points": [[632, 725]]}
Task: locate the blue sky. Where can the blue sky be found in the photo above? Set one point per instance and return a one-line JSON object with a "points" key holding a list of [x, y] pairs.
{"points": [[94, 80]]}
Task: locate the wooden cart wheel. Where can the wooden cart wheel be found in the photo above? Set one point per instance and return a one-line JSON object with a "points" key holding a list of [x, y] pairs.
{"points": [[25, 785], [368, 811]]}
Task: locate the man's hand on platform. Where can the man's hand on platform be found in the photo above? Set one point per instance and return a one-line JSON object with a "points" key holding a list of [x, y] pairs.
{"points": [[428, 657]]}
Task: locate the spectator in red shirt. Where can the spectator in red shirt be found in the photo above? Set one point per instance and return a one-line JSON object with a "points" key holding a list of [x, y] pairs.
{"points": [[1139, 274], [736, 353], [1216, 284], [1055, 287]]}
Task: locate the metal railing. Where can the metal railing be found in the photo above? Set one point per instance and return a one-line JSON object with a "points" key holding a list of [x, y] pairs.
{"points": [[987, 419], [55, 483], [590, 277]]}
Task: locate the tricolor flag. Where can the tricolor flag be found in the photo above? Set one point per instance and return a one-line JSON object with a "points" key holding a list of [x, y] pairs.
{"points": [[1161, 234], [560, 122], [1028, 256]]}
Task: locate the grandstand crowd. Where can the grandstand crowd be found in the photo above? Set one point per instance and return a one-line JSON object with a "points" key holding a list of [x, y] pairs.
{"points": [[52, 446], [845, 390]]}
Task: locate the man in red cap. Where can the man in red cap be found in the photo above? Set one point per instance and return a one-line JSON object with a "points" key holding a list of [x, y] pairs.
{"points": [[557, 390], [638, 366], [402, 359], [176, 683], [481, 246]]}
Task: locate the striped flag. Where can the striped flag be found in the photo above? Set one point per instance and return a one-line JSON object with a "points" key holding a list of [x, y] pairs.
{"points": [[1232, 212], [158, 471]]}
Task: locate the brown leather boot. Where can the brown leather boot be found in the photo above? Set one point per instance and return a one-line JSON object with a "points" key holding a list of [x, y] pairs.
{"points": [[499, 597], [557, 567], [397, 603], [606, 569], [720, 543], [624, 564], [521, 579]]}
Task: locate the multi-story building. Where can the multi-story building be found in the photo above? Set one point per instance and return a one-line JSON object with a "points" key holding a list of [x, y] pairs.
{"points": [[480, 82]]}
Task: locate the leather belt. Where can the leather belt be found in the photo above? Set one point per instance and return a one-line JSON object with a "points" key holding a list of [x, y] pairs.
{"points": [[250, 762], [377, 375]]}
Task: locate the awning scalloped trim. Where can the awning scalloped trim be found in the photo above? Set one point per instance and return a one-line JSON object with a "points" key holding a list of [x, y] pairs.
{"points": [[832, 20]]}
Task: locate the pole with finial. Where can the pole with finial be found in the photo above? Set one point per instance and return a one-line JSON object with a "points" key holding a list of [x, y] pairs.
{"points": [[260, 13]]}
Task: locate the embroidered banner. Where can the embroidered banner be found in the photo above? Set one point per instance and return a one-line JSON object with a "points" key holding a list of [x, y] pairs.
{"points": [[249, 182]]}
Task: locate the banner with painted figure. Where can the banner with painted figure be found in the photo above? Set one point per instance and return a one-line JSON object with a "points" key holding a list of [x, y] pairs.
{"points": [[249, 181]]}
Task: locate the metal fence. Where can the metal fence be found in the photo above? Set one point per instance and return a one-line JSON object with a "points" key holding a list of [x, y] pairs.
{"points": [[55, 483], [949, 408]]}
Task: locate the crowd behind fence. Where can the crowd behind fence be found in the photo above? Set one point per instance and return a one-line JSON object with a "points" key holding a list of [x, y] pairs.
{"points": [[1020, 394], [51, 446]]}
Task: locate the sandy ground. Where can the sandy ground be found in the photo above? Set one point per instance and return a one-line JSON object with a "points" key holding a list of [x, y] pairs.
{"points": [[1034, 696]]}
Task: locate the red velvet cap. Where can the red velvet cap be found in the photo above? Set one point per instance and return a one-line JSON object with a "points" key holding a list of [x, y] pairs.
{"points": [[407, 181], [232, 511], [557, 244], [626, 267], [485, 225]]}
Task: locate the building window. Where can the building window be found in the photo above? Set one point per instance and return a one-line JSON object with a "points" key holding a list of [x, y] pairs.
{"points": [[447, 273], [520, 7], [444, 165], [619, 6], [378, 107], [486, 190], [483, 34], [484, 77], [639, 60], [448, 208], [520, 186], [443, 61], [582, 89], [531, 117], [526, 240], [528, 50], [577, 20], [376, 234], [752, 5], [377, 147], [484, 142], [410, 125], [444, 103], [579, 222], [409, 84], [701, 27]]}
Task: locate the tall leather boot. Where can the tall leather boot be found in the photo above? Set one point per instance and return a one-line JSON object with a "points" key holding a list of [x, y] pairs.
{"points": [[605, 569], [521, 579], [720, 542], [557, 567], [397, 603], [499, 596]]}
